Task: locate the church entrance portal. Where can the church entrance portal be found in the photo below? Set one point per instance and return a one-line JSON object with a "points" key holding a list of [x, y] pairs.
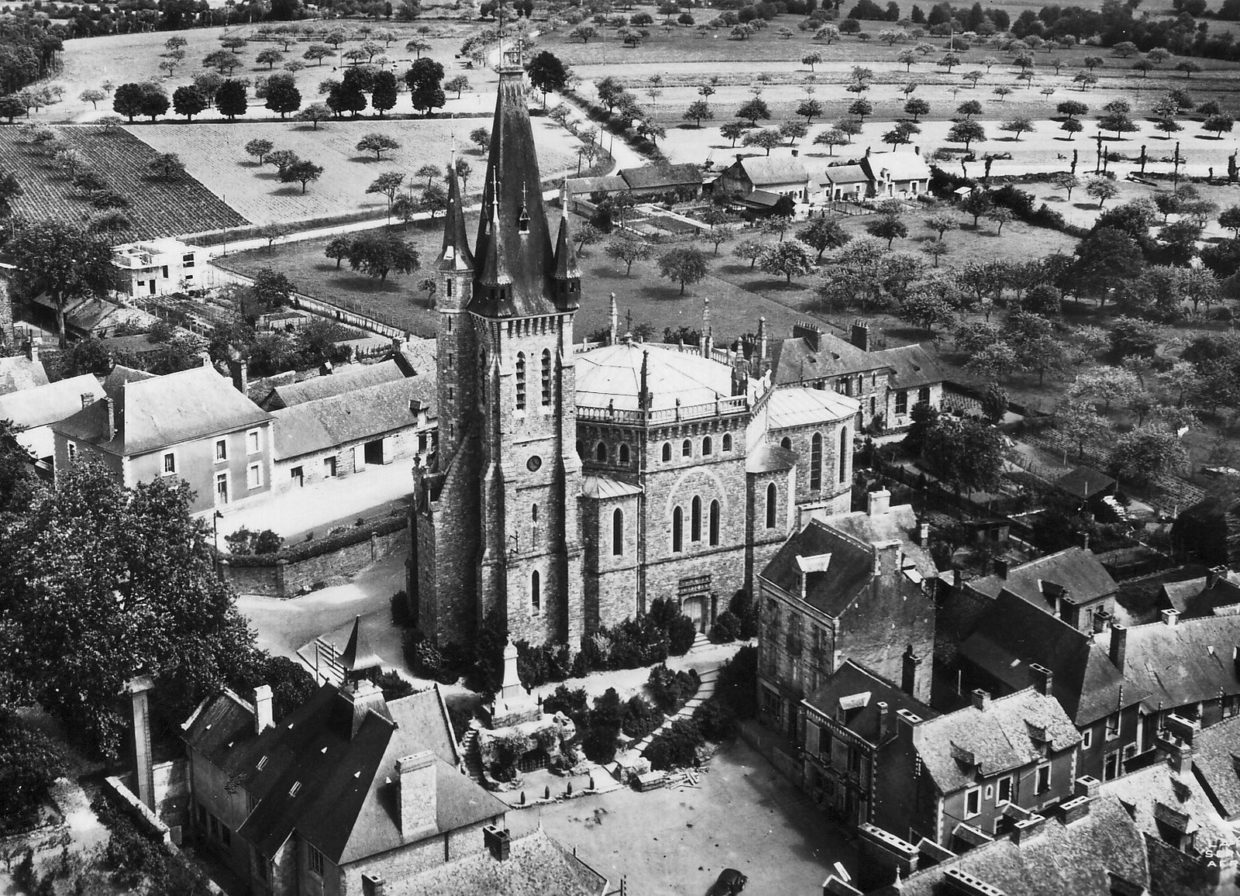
{"points": [[698, 609], [696, 600]]}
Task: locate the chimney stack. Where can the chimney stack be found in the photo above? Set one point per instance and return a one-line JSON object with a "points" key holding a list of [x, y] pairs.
{"points": [[263, 716], [1001, 567], [87, 399], [878, 503], [1170, 617], [905, 723], [144, 770], [923, 535], [884, 722], [497, 841], [908, 671], [417, 795], [109, 408], [239, 371], [1043, 678], [1119, 645], [373, 885], [981, 699], [860, 335]]}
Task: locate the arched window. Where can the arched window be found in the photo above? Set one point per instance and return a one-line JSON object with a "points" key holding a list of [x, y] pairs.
{"points": [[667, 451], [534, 514], [714, 523], [520, 381], [624, 454], [845, 449], [785, 443], [546, 378], [707, 447], [600, 453], [617, 533], [772, 499], [535, 592], [727, 442], [695, 519], [686, 450], [678, 525], [815, 462]]}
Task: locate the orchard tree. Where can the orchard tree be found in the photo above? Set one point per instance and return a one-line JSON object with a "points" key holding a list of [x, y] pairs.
{"points": [[166, 166], [338, 248], [378, 144], [377, 254], [388, 185], [1072, 109], [698, 111], [1067, 182], [188, 101], [269, 57], [301, 171], [916, 107], [732, 130], [1017, 126], [231, 99], [314, 113], [965, 454], [966, 132], [767, 138], [628, 250], [823, 234], [1102, 189], [685, 266], [1218, 125], [547, 73], [62, 261], [887, 227], [753, 110], [831, 138], [458, 85], [977, 203], [94, 96], [789, 259]]}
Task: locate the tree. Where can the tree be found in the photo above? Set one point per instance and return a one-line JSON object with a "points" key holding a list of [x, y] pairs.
{"points": [[314, 113], [259, 149], [165, 166], [317, 53], [62, 261], [377, 254], [383, 92], [916, 107], [547, 73], [1117, 119], [98, 584], [811, 60], [222, 61], [1000, 216], [154, 101], [949, 61], [269, 57], [127, 100], [302, 171], [969, 108], [583, 33], [965, 454], [338, 248], [1218, 124], [424, 78], [387, 184], [753, 110], [1146, 452], [30, 762], [732, 130], [1067, 182], [283, 97], [1102, 189], [936, 249], [907, 58], [1019, 125], [1105, 386], [750, 250], [230, 99], [1188, 67], [94, 96], [977, 203], [860, 109], [282, 158], [378, 144], [628, 250], [188, 101], [887, 227], [458, 84], [926, 306], [767, 138], [966, 132], [1072, 109], [831, 138], [788, 259], [823, 234], [685, 266], [697, 111]]}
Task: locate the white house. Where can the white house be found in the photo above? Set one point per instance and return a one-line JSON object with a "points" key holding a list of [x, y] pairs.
{"points": [[159, 267]]}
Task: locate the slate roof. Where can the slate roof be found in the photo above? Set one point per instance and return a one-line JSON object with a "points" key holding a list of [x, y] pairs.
{"points": [[899, 523], [344, 379], [1074, 569], [913, 365], [844, 174], [850, 680], [1084, 482], [768, 171], [1188, 662], [788, 408], [900, 165], [1077, 859], [416, 357], [999, 737], [52, 403], [1149, 793], [328, 769], [1198, 597], [611, 375], [536, 866], [1216, 763], [1012, 635], [19, 372], [584, 186], [165, 410], [600, 488], [795, 360], [653, 177], [769, 458], [367, 413]]}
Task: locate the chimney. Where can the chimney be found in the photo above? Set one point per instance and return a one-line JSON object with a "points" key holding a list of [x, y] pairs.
{"points": [[1170, 617], [1086, 785], [417, 795], [905, 723], [884, 722], [811, 333], [1027, 828], [1179, 756], [860, 335], [1001, 567], [1075, 809], [373, 885], [497, 841], [1084, 541], [908, 671], [1043, 678], [263, 717], [87, 399], [923, 535], [239, 371], [877, 503], [981, 699], [144, 770], [109, 408], [1119, 645]]}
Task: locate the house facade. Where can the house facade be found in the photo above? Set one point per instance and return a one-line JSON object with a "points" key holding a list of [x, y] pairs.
{"points": [[159, 267], [897, 175], [40, 408], [772, 176]]}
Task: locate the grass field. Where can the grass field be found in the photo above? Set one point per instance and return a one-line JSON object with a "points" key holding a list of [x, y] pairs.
{"points": [[214, 153], [158, 208]]}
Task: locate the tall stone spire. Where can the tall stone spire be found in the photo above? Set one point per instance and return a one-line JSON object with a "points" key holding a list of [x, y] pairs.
{"points": [[567, 274], [455, 254]]}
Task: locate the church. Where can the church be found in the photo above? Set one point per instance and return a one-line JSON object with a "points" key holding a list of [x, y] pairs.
{"points": [[575, 483]]}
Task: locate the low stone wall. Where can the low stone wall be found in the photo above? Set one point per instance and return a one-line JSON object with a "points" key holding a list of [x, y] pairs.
{"points": [[285, 578]]}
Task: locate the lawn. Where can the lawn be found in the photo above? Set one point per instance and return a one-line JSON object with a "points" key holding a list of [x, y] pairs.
{"points": [[158, 208], [214, 153]]}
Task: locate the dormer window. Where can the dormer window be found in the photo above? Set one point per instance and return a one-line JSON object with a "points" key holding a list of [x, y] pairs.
{"points": [[523, 221]]}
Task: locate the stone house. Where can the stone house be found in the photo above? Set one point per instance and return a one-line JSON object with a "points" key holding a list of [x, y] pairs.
{"points": [[767, 176], [1213, 755], [22, 371], [39, 408], [192, 425], [681, 182], [954, 779], [897, 175], [914, 378], [842, 183], [345, 793], [1071, 585], [837, 590]]}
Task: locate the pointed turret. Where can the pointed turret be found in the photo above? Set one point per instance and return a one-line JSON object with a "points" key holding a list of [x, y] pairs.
{"points": [[567, 274], [455, 255], [513, 252], [613, 330]]}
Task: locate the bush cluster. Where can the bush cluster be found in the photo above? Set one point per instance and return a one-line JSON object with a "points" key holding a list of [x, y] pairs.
{"points": [[670, 690], [739, 620], [136, 862], [676, 746]]}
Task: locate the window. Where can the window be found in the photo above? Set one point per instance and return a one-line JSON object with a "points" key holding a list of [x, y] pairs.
{"points": [[667, 451], [617, 533], [221, 488], [221, 450], [170, 463], [902, 401], [251, 442], [447, 291], [678, 524], [972, 802], [535, 592], [686, 450], [520, 381], [815, 462], [1113, 726], [534, 514], [254, 476], [1003, 794], [727, 442], [72, 448], [844, 452], [785, 443], [923, 395], [1087, 739], [714, 523], [600, 453], [624, 454], [707, 446], [315, 861], [546, 378], [695, 519], [1044, 780], [772, 496]]}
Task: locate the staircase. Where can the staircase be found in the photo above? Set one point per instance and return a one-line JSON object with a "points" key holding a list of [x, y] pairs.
{"points": [[471, 754], [699, 642]]}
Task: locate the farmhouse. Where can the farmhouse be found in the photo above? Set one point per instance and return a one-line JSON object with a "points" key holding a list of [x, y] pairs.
{"points": [[838, 183], [896, 175], [681, 181], [761, 180]]}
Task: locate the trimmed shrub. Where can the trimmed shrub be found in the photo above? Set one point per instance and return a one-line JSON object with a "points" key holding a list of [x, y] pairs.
{"points": [[737, 687], [670, 690], [727, 628], [640, 717], [676, 747]]}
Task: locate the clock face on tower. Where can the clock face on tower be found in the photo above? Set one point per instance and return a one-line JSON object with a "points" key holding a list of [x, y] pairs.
{"points": [[533, 464]]}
